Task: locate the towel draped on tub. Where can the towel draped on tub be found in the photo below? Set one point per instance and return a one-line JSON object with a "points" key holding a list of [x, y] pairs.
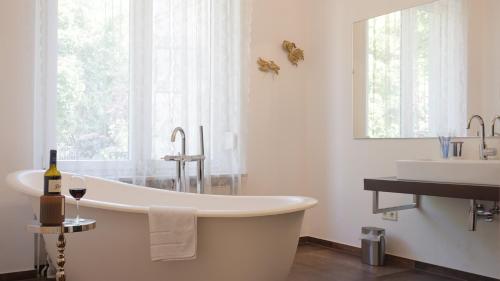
{"points": [[173, 233]]}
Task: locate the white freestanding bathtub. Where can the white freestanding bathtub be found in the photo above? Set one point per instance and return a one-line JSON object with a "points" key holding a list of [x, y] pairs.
{"points": [[240, 238]]}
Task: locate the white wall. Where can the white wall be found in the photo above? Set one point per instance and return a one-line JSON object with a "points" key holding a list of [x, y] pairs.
{"points": [[484, 58], [490, 57], [336, 164], [16, 115], [276, 125]]}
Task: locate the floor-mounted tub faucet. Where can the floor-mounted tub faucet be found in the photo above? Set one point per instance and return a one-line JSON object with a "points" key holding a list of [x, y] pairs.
{"points": [[181, 183], [484, 151]]}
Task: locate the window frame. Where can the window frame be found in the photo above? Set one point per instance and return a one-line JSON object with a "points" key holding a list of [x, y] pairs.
{"points": [[140, 94]]}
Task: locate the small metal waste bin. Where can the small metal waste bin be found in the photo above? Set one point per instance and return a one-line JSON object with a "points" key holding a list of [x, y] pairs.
{"points": [[373, 245]]}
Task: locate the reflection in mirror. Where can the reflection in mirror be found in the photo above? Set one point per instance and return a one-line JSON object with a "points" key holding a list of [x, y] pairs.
{"points": [[420, 72]]}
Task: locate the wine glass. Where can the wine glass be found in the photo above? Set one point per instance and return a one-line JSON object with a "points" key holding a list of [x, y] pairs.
{"points": [[77, 190]]}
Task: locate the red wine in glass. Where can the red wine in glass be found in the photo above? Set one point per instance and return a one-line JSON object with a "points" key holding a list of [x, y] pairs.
{"points": [[78, 191]]}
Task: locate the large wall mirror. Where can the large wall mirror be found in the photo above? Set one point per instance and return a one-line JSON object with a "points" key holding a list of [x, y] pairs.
{"points": [[421, 72]]}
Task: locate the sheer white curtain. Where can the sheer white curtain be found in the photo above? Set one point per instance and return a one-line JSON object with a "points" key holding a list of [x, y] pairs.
{"points": [[434, 69], [197, 67], [129, 72], [448, 68]]}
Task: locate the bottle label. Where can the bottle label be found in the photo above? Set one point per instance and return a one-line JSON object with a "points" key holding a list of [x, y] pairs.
{"points": [[55, 186]]}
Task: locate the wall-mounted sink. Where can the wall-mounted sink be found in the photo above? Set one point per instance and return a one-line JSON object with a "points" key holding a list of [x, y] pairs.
{"points": [[453, 171]]}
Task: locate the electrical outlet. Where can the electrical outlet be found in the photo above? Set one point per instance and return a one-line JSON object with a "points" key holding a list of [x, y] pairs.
{"points": [[390, 216]]}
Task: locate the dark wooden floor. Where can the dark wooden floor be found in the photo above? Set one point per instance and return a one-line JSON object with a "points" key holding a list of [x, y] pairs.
{"points": [[316, 263]]}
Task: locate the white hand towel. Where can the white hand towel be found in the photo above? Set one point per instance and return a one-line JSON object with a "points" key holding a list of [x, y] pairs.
{"points": [[173, 233]]}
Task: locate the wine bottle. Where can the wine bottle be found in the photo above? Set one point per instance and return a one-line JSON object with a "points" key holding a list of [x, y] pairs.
{"points": [[52, 203], [52, 177]]}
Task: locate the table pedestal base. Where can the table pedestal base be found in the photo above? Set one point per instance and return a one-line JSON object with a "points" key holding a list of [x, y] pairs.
{"points": [[61, 245], [69, 226]]}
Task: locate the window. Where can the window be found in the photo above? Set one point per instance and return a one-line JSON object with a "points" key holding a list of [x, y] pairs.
{"points": [[93, 80], [384, 76], [115, 77]]}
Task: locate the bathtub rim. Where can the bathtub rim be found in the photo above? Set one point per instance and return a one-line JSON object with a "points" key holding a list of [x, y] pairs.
{"points": [[294, 204]]}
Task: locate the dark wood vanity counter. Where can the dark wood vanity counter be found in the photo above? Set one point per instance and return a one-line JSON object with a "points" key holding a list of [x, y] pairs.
{"points": [[450, 190]]}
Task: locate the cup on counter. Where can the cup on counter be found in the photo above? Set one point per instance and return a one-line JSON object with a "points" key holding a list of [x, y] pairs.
{"points": [[457, 149], [444, 143]]}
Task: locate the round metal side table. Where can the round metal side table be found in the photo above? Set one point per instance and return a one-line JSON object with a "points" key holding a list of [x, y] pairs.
{"points": [[69, 226]]}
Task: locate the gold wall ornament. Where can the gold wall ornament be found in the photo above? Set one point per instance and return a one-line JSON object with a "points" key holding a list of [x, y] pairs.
{"points": [[294, 54], [268, 66]]}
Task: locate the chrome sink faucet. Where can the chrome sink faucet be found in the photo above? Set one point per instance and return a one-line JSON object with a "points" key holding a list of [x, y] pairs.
{"points": [[493, 133], [181, 183], [484, 151]]}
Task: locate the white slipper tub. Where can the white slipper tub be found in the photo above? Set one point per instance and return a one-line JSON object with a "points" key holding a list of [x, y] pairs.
{"points": [[240, 238]]}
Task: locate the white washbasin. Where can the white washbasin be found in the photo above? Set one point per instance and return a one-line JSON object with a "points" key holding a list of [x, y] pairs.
{"points": [[455, 171]]}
